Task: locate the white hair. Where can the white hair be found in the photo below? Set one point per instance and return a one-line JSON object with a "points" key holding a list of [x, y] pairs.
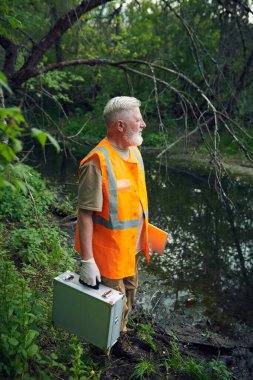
{"points": [[117, 105]]}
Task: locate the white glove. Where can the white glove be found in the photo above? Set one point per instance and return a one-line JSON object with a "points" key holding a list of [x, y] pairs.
{"points": [[89, 272]]}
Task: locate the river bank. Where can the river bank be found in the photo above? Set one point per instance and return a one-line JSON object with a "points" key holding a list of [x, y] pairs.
{"points": [[181, 353], [231, 167]]}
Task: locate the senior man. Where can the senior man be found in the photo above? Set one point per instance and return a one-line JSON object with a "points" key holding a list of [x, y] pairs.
{"points": [[112, 204]]}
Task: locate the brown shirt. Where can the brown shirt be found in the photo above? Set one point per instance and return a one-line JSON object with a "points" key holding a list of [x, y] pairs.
{"points": [[90, 195]]}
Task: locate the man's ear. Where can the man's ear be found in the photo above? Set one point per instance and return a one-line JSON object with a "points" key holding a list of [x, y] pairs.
{"points": [[119, 125]]}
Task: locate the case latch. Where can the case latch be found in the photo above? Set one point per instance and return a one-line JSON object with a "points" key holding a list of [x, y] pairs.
{"points": [[107, 294]]}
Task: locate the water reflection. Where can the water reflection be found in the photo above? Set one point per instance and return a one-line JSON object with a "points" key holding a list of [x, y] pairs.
{"points": [[208, 268]]}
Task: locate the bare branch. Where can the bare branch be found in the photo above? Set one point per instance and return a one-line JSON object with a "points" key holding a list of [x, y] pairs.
{"points": [[176, 142]]}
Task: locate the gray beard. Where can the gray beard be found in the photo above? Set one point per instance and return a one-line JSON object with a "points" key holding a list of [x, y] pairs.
{"points": [[135, 139]]}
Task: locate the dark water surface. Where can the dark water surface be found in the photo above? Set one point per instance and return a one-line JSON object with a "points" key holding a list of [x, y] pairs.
{"points": [[205, 275]]}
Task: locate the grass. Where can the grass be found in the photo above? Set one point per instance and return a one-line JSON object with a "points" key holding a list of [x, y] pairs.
{"points": [[212, 370], [145, 332], [143, 369]]}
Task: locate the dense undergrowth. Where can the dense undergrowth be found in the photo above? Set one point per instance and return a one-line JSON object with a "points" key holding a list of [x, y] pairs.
{"points": [[33, 250]]}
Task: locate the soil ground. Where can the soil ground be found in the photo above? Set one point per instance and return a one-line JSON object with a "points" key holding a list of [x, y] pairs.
{"points": [[191, 341]]}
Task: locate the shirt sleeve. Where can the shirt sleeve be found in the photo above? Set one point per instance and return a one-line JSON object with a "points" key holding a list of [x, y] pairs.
{"points": [[90, 195]]}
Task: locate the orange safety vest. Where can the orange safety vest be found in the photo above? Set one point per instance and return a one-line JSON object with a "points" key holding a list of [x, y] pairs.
{"points": [[115, 228]]}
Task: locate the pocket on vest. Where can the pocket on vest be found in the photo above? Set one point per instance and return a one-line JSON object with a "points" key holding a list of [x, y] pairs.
{"points": [[123, 185]]}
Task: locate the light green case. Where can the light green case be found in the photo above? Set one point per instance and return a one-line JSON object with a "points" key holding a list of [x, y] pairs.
{"points": [[92, 315]]}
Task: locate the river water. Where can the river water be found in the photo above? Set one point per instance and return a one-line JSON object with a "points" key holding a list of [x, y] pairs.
{"points": [[205, 276]]}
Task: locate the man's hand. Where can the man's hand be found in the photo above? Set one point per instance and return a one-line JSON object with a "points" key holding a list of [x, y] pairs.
{"points": [[89, 272]]}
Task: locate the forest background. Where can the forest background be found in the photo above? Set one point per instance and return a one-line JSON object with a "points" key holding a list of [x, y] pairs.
{"points": [[189, 62]]}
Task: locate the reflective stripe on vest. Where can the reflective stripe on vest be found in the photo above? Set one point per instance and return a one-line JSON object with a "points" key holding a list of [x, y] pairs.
{"points": [[139, 158], [113, 223]]}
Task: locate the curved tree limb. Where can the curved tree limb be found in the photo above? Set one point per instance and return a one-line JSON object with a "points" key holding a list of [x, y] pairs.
{"points": [[59, 28], [121, 64]]}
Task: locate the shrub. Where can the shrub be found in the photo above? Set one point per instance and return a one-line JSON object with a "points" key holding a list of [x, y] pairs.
{"points": [[18, 334]]}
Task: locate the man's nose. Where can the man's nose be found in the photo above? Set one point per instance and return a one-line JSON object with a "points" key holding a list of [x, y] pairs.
{"points": [[143, 124]]}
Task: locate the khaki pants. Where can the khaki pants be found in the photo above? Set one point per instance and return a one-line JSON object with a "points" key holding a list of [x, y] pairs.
{"points": [[128, 287]]}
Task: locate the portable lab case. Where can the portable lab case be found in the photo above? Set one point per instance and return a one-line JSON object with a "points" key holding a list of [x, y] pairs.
{"points": [[92, 315]]}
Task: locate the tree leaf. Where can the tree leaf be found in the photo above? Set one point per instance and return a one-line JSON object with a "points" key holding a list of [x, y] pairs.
{"points": [[40, 136], [4, 83], [22, 186], [33, 350], [7, 152], [54, 142], [30, 336], [13, 341], [14, 22], [17, 145]]}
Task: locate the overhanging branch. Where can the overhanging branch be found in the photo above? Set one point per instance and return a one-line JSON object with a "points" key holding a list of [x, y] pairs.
{"points": [[122, 64], [59, 28]]}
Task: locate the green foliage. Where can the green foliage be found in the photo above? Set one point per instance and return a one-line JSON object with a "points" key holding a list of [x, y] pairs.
{"points": [[38, 249], [19, 206], [34, 241], [228, 146], [195, 370], [56, 85], [219, 370], [54, 363], [12, 126], [81, 368], [42, 138], [143, 369], [18, 337], [88, 130], [211, 370], [13, 177], [145, 332], [3, 82], [13, 129], [153, 139], [175, 361], [35, 245]]}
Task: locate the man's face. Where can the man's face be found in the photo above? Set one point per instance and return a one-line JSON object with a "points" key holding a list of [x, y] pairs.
{"points": [[133, 126]]}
